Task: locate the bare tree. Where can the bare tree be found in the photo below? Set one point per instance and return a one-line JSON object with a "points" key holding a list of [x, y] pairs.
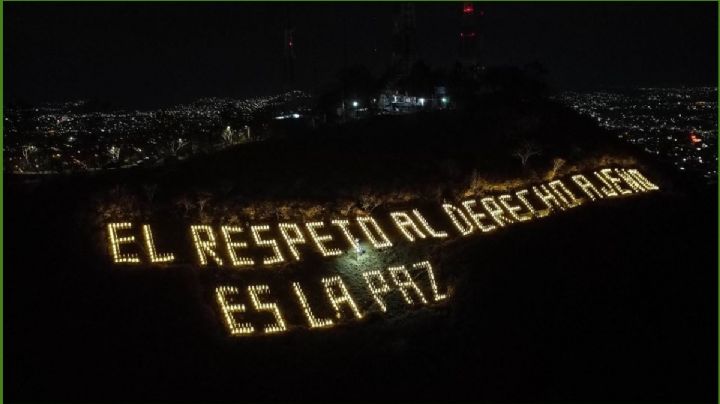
{"points": [[28, 151], [114, 153], [202, 200], [174, 145], [228, 136], [185, 203], [150, 190], [311, 212], [526, 150], [369, 200], [557, 165]]}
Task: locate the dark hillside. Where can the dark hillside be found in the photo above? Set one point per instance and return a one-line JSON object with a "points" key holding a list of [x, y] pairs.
{"points": [[614, 301]]}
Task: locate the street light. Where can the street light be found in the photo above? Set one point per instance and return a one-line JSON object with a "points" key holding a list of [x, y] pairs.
{"points": [[355, 104]]}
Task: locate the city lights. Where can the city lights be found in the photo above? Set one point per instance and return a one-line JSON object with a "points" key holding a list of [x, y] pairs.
{"points": [[62, 125], [676, 124]]}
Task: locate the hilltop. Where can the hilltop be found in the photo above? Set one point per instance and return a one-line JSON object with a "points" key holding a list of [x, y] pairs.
{"points": [[622, 291]]}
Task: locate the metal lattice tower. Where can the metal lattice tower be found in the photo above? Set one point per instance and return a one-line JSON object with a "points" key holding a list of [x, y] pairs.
{"points": [[288, 58], [404, 45], [470, 34]]}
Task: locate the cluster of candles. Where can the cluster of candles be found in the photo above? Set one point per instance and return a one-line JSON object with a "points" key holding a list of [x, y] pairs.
{"points": [[334, 237], [336, 292], [337, 236]]}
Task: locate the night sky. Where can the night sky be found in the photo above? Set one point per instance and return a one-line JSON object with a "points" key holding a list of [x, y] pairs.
{"points": [[146, 55]]}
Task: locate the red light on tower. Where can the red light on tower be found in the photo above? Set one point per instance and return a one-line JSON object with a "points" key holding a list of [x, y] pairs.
{"points": [[695, 138], [469, 27]]}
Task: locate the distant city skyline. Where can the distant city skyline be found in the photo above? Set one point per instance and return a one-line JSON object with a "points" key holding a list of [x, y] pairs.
{"points": [[152, 55]]}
